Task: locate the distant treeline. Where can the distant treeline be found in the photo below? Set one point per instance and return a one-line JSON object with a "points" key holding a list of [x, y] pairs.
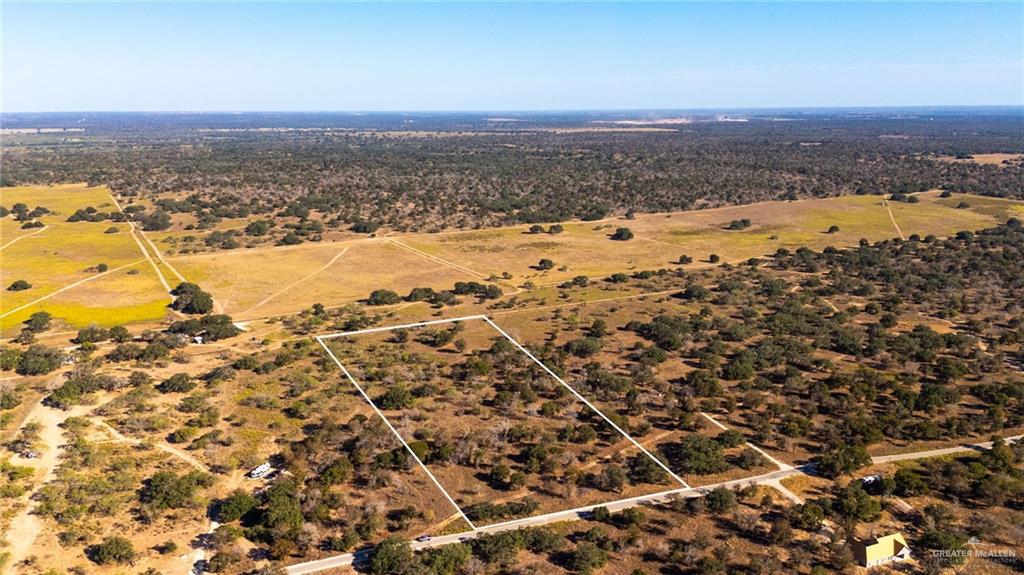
{"points": [[330, 168]]}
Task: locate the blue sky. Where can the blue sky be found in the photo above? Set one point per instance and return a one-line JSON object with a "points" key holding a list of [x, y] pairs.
{"points": [[326, 56]]}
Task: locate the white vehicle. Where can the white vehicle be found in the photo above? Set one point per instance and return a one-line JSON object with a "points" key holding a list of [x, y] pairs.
{"points": [[423, 538], [261, 471]]}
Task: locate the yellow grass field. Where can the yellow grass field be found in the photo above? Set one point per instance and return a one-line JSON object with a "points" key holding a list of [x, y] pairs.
{"points": [[584, 248], [985, 159], [60, 256], [296, 277], [268, 281], [117, 298]]}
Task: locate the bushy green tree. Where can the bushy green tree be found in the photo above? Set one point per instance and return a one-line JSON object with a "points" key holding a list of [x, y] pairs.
{"points": [[39, 360], [393, 556], [842, 459], [448, 559], [583, 347], [396, 397], [177, 383], [698, 454], [189, 298], [383, 297], [258, 228], [112, 550], [168, 490], [720, 500], [234, 506], [622, 234], [586, 558]]}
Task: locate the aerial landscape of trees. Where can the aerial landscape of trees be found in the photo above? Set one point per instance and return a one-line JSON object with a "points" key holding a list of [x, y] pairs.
{"points": [[342, 173], [812, 363]]}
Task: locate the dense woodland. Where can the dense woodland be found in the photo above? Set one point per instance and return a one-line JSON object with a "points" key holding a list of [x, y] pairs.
{"points": [[465, 171]]}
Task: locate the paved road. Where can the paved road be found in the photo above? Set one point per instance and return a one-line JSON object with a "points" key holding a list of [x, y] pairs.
{"points": [[939, 452], [568, 515], [772, 478]]}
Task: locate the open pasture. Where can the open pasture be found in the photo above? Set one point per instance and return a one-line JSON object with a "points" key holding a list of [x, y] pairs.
{"points": [[268, 281], [258, 283], [996, 159], [585, 248], [999, 208], [129, 295], [61, 261]]}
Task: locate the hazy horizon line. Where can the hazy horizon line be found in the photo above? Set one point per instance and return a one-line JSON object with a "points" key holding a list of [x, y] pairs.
{"points": [[532, 110]]}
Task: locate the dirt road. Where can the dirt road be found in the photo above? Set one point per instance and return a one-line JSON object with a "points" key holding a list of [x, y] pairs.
{"points": [[26, 526], [174, 452]]}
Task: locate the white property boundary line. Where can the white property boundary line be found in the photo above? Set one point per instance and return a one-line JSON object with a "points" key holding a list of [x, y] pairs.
{"points": [[402, 326], [590, 405], [320, 340], [774, 461], [346, 559], [394, 431]]}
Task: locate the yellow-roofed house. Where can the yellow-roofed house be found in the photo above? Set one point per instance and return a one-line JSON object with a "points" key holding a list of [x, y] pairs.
{"points": [[880, 550]]}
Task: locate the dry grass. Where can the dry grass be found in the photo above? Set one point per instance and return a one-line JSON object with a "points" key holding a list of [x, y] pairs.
{"points": [[465, 411], [584, 248], [268, 281], [561, 325], [239, 280], [177, 525], [1001, 160]]}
